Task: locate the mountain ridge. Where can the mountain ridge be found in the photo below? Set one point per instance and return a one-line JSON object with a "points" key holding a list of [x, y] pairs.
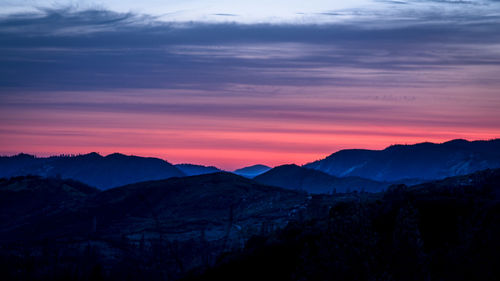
{"points": [[193, 169], [189, 220], [295, 177], [424, 161], [445, 230], [176, 225], [93, 169], [252, 171], [396, 163]]}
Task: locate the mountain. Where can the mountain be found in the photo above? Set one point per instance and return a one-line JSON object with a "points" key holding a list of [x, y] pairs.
{"points": [[22, 197], [252, 171], [444, 230], [92, 169], [194, 170], [423, 161], [220, 225], [154, 228], [313, 181], [10, 165]]}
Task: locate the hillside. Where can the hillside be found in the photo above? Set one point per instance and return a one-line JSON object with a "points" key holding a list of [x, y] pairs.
{"points": [[158, 227], [252, 171], [445, 230], [313, 181], [22, 199], [195, 170], [218, 226], [423, 161], [93, 169]]}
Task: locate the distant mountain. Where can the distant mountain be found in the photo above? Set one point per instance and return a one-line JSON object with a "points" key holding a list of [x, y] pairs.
{"points": [[11, 165], [252, 171], [93, 169], [424, 161], [313, 181], [194, 170], [170, 225]]}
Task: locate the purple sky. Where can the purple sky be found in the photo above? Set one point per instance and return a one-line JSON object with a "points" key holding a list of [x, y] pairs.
{"points": [[246, 91]]}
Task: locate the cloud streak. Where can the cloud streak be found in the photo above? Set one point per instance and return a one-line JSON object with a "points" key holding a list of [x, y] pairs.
{"points": [[70, 77], [98, 49]]}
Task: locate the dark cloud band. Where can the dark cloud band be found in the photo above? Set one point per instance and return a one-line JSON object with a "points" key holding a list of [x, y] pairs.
{"points": [[63, 49]]}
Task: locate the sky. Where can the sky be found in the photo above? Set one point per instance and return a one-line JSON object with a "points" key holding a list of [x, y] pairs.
{"points": [[235, 83]]}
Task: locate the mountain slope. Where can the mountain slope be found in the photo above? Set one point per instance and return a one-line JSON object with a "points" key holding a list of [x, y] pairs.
{"points": [[313, 181], [93, 169], [184, 204], [22, 198], [252, 171], [10, 165], [424, 161], [195, 170], [165, 226], [445, 230]]}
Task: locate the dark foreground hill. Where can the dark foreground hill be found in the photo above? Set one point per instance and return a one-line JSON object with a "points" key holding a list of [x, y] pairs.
{"points": [[444, 230], [423, 161], [225, 227], [93, 169], [23, 198], [317, 182], [154, 230]]}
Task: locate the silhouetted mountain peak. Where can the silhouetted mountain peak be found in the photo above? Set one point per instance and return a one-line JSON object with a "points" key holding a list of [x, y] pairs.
{"points": [[252, 171], [91, 155], [294, 177], [457, 141], [192, 170], [117, 155], [349, 153], [221, 176], [286, 167], [290, 166], [24, 156]]}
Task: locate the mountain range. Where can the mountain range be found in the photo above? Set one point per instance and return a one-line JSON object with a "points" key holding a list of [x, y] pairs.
{"points": [[441, 230], [220, 225], [423, 161], [174, 224], [118, 217], [195, 170], [345, 170], [93, 169]]}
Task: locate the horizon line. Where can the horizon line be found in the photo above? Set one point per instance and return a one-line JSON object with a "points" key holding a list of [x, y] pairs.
{"points": [[247, 165]]}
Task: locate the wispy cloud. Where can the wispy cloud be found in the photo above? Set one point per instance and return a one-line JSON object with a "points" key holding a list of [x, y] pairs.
{"points": [[102, 49], [181, 87]]}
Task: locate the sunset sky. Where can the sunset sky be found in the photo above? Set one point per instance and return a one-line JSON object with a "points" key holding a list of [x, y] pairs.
{"points": [[234, 83]]}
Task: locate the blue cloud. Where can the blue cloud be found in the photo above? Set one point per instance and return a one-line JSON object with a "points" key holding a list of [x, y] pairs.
{"points": [[99, 49]]}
